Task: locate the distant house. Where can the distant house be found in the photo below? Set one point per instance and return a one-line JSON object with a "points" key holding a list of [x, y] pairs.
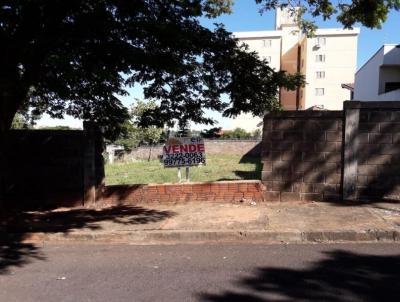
{"points": [[379, 78]]}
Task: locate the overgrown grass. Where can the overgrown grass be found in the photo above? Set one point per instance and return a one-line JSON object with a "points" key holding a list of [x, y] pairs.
{"points": [[219, 167]]}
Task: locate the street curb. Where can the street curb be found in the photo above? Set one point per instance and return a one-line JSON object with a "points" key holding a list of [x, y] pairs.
{"points": [[175, 237]]}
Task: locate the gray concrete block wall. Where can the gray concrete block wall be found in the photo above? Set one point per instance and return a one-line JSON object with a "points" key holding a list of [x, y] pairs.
{"points": [[42, 165], [50, 168], [301, 155], [304, 157], [378, 171]]}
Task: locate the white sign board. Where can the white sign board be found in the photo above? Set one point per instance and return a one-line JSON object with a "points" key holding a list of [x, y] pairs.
{"points": [[184, 152]]}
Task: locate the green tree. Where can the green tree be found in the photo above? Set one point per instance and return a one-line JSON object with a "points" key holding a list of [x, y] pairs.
{"points": [[257, 133], [75, 57], [24, 119], [184, 130], [237, 133], [60, 128], [19, 122], [131, 135], [371, 14], [211, 133]]}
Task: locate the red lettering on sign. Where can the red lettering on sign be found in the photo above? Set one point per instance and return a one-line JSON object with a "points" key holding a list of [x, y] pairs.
{"points": [[184, 148], [200, 147]]}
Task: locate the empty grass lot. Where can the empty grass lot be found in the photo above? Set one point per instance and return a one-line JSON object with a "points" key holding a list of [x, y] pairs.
{"points": [[219, 167]]}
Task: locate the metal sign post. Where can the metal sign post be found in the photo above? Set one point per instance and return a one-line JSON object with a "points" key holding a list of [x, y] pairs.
{"points": [[187, 174], [179, 174], [187, 170]]}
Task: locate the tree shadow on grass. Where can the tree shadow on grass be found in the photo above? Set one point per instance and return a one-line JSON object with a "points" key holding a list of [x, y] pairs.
{"points": [[256, 173], [18, 226], [248, 175], [342, 276], [245, 174]]}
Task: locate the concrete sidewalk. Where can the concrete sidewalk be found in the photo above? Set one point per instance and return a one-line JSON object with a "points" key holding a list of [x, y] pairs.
{"points": [[211, 222]]}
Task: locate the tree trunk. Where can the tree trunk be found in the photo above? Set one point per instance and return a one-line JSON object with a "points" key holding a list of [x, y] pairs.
{"points": [[149, 158], [4, 131], [9, 105]]}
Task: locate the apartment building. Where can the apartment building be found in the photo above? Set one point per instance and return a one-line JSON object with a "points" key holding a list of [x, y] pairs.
{"points": [[327, 60]]}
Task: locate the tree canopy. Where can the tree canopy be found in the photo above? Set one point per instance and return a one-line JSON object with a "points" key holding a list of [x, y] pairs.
{"points": [[370, 13], [131, 136], [75, 57]]}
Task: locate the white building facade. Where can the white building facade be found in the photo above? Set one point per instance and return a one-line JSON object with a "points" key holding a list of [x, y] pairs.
{"points": [[327, 60], [379, 78]]}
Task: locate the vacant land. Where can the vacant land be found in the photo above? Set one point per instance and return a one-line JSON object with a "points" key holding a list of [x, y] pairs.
{"points": [[219, 167]]}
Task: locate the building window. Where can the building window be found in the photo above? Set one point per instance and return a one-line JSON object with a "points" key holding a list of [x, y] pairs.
{"points": [[319, 91], [302, 62], [267, 43], [320, 58], [390, 86], [321, 41], [320, 74]]}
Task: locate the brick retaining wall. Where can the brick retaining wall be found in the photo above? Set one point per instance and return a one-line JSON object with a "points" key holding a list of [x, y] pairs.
{"points": [[221, 191]]}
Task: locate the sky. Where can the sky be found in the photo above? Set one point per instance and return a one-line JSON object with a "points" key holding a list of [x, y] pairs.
{"points": [[246, 17]]}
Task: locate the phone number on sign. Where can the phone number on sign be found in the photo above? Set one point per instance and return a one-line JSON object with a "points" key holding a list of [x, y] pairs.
{"points": [[183, 159]]}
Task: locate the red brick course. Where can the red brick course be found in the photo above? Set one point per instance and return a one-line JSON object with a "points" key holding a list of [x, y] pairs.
{"points": [[222, 191]]}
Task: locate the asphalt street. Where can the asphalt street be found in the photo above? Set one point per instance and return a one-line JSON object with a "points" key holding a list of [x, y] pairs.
{"points": [[225, 272]]}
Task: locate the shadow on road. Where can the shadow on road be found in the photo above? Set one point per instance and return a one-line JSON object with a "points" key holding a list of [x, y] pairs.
{"points": [[343, 276], [15, 227]]}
